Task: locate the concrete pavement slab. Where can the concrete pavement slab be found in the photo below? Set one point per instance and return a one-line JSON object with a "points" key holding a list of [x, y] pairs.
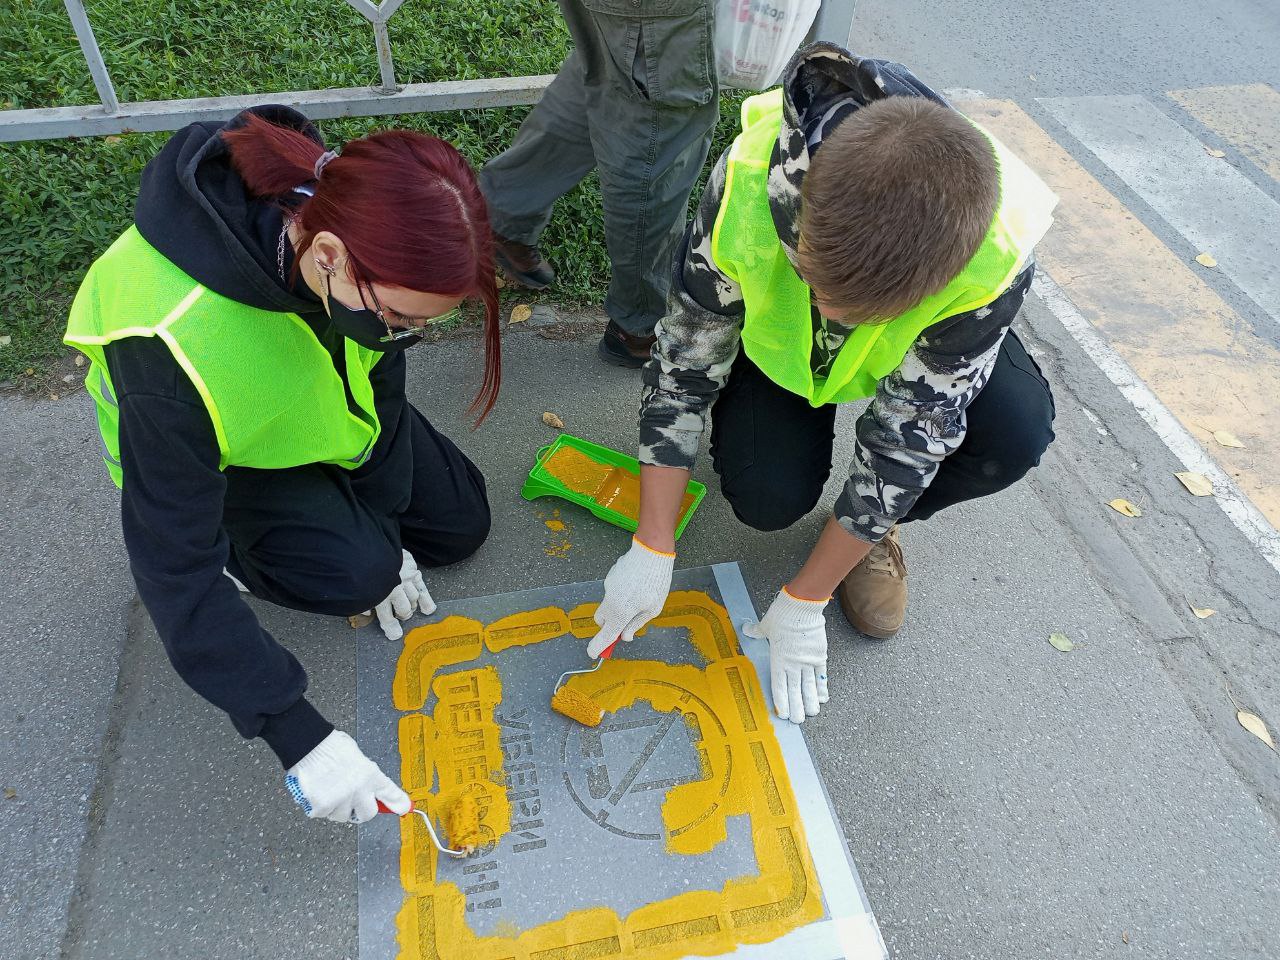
{"points": [[65, 591]]}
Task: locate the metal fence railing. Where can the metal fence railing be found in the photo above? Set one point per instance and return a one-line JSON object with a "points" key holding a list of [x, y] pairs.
{"points": [[110, 116]]}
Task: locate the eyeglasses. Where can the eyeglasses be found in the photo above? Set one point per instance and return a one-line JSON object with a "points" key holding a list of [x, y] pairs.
{"points": [[415, 324]]}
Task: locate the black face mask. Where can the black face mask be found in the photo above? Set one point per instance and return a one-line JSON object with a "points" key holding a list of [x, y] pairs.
{"points": [[365, 327]]}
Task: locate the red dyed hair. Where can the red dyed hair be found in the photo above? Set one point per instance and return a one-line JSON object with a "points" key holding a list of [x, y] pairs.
{"points": [[406, 204]]}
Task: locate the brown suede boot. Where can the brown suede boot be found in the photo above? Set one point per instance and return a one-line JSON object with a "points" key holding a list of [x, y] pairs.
{"points": [[522, 264], [874, 594]]}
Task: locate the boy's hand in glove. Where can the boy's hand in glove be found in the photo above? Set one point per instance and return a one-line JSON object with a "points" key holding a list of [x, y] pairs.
{"points": [[797, 633], [634, 592]]}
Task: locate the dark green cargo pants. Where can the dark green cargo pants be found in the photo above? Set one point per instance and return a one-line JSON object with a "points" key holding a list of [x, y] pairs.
{"points": [[637, 100]]}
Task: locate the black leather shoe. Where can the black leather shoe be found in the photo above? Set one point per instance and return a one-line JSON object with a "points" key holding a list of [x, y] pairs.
{"points": [[623, 349], [522, 264]]}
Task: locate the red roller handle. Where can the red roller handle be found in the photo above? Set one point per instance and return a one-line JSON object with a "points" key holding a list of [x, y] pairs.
{"points": [[607, 652], [383, 808]]}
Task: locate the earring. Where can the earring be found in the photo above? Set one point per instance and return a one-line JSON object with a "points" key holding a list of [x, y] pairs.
{"points": [[325, 267]]}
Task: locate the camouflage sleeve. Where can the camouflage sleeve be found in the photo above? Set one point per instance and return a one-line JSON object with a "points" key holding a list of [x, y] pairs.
{"points": [[917, 417], [697, 343]]}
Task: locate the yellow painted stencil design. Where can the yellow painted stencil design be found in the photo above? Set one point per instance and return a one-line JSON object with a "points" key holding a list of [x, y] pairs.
{"points": [[742, 773]]}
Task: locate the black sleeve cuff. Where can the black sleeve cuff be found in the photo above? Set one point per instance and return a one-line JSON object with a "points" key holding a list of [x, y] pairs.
{"points": [[296, 732]]}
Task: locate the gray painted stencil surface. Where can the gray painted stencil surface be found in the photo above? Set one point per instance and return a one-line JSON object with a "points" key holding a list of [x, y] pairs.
{"points": [[598, 837]]}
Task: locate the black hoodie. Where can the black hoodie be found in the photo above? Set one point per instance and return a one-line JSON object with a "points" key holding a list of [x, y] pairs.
{"points": [[193, 208]]}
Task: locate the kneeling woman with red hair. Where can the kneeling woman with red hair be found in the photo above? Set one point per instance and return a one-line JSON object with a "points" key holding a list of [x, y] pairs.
{"points": [[246, 341]]}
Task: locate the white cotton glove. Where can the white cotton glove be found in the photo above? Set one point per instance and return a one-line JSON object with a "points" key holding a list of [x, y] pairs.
{"points": [[634, 592], [409, 596], [797, 633], [338, 782]]}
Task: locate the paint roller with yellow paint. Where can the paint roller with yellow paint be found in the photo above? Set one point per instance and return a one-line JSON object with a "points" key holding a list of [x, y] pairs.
{"points": [[575, 705], [463, 825]]}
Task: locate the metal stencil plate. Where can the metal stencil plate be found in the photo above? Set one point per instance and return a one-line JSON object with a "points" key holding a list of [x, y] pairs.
{"points": [[587, 826]]}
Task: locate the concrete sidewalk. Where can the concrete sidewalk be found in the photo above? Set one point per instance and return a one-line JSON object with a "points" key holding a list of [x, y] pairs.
{"points": [[1000, 798]]}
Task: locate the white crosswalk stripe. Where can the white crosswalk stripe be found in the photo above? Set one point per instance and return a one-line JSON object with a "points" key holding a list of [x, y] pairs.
{"points": [[1209, 202]]}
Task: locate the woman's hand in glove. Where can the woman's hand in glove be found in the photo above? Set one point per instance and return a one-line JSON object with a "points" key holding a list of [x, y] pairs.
{"points": [[338, 782], [409, 596]]}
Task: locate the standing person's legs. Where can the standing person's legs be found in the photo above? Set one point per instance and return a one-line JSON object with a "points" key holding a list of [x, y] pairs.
{"points": [[653, 101], [770, 448], [551, 152]]}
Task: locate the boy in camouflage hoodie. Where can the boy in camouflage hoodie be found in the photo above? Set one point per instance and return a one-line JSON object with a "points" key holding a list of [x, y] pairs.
{"points": [[907, 211]]}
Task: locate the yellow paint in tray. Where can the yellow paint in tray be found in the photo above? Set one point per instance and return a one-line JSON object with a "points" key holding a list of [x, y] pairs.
{"points": [[614, 487]]}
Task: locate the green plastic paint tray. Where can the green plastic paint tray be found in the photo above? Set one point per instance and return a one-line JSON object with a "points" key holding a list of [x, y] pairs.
{"points": [[542, 483]]}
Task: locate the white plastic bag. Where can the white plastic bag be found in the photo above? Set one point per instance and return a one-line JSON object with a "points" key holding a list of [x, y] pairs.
{"points": [[756, 38]]}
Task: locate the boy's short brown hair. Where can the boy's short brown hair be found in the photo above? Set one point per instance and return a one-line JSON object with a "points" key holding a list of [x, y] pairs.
{"points": [[895, 203]]}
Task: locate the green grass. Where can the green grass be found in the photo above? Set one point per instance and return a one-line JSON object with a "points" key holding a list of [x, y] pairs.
{"points": [[63, 202]]}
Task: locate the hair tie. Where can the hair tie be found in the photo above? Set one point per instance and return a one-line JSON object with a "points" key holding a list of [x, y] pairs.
{"points": [[322, 161]]}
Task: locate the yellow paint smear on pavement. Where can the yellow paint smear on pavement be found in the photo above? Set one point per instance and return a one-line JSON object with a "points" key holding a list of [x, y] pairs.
{"points": [[1193, 351], [1247, 116], [458, 750], [521, 629], [426, 650], [743, 773]]}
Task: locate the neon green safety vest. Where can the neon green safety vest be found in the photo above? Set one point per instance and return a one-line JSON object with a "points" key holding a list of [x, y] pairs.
{"points": [[273, 395], [777, 331]]}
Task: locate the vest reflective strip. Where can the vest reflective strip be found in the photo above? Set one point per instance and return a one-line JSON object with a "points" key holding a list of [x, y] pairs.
{"points": [[197, 381], [105, 388], [104, 391], [161, 330], [172, 316], [364, 454]]}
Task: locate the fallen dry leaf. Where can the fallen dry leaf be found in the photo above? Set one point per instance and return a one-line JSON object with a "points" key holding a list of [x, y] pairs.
{"points": [[1202, 613], [6, 340], [10, 793], [520, 313], [113, 139], [500, 281], [79, 359], [1227, 439], [1125, 507], [358, 620], [551, 420], [1197, 484], [1206, 260], [1061, 641], [1125, 936], [1253, 723], [1216, 154], [53, 396]]}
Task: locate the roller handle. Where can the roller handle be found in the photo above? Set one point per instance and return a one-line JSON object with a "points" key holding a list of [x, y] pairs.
{"points": [[383, 808], [607, 652]]}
